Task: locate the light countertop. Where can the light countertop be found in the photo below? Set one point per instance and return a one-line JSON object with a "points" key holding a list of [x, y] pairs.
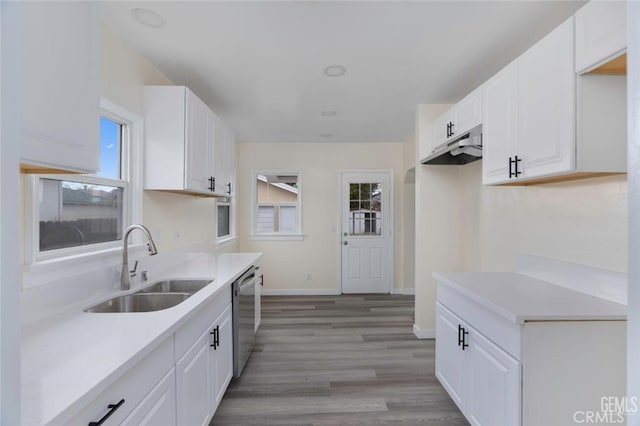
{"points": [[69, 359], [520, 298]]}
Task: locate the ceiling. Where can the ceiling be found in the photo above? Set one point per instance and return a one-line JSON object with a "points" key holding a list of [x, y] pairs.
{"points": [[259, 65]]}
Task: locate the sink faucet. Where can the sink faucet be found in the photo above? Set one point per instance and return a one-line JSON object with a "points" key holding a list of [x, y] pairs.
{"points": [[125, 282]]}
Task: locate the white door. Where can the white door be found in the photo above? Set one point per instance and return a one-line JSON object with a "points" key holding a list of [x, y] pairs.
{"points": [[367, 247]]}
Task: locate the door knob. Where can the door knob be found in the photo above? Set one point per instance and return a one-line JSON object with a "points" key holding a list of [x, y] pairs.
{"points": [[345, 234], [345, 243]]}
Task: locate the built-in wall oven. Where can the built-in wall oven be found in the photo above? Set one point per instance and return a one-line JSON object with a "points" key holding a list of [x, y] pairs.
{"points": [[243, 296]]}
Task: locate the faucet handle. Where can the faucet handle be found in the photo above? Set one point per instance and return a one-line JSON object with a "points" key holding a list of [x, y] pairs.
{"points": [[133, 271]]}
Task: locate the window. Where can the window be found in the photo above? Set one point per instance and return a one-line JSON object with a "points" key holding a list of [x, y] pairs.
{"points": [[277, 204], [80, 214], [224, 218]]}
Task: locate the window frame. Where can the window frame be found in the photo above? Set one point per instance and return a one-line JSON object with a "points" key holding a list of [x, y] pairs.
{"points": [[42, 266], [277, 235], [225, 239]]}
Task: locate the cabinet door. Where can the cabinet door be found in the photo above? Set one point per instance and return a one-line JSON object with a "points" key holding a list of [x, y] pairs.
{"points": [[159, 407], [198, 144], [449, 356], [494, 385], [601, 33], [229, 160], [439, 134], [58, 66], [546, 105], [467, 113], [499, 123], [222, 150], [222, 356], [194, 379]]}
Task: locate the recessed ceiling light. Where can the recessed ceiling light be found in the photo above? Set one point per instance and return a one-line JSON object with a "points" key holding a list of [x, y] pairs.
{"points": [[335, 70], [149, 18], [328, 113], [326, 135]]}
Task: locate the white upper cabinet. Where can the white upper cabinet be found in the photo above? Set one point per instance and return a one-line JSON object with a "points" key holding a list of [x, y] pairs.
{"points": [[467, 113], [546, 105], [601, 33], [458, 120], [58, 71], [500, 124], [187, 146], [541, 121], [199, 137], [224, 157], [441, 129]]}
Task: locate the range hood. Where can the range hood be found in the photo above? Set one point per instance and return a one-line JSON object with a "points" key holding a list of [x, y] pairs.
{"points": [[463, 150]]}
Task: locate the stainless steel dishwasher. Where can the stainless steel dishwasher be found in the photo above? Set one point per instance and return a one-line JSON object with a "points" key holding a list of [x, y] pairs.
{"points": [[243, 292]]}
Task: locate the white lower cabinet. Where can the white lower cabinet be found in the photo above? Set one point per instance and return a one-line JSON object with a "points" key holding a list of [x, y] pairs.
{"points": [[550, 372], [482, 379], [159, 407], [194, 378], [130, 395], [204, 371], [181, 382], [222, 358]]}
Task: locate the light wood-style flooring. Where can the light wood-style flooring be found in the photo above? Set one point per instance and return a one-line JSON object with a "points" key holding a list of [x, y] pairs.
{"points": [[338, 360]]}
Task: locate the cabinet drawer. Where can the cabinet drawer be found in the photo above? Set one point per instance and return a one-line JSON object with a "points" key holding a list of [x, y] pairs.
{"points": [[133, 387], [197, 325], [505, 334]]}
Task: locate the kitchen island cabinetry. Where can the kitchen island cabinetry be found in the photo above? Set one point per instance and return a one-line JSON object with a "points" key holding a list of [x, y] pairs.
{"points": [[513, 350], [467, 361]]}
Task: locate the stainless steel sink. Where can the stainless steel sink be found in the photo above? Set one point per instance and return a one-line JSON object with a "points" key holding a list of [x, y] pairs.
{"points": [[140, 302], [175, 286]]}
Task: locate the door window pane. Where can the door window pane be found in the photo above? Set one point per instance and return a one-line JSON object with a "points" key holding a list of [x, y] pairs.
{"points": [[365, 207]]}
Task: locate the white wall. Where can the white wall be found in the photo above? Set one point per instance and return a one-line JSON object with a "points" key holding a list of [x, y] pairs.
{"points": [[177, 222], [462, 225], [633, 99], [287, 263], [9, 224]]}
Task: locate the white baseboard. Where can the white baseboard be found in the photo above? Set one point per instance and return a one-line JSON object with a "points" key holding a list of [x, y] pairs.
{"points": [[424, 333], [299, 292], [404, 291]]}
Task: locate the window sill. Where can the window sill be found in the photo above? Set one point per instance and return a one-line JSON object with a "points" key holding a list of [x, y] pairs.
{"points": [[276, 237], [226, 241], [46, 271]]}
